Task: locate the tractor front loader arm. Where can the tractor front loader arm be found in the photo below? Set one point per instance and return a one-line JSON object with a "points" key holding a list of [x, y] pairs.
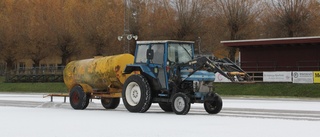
{"points": [[221, 66]]}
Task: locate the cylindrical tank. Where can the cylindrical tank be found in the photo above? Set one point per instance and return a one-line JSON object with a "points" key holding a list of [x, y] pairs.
{"points": [[99, 73]]}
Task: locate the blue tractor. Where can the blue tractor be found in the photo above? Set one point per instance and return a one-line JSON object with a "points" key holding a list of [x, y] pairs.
{"points": [[167, 73]]}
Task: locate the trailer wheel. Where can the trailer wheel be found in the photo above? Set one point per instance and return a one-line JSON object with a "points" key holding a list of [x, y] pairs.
{"points": [[213, 106], [110, 103], [78, 98], [166, 107], [136, 94], [180, 103]]}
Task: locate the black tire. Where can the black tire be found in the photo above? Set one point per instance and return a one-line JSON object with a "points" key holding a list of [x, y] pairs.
{"points": [[166, 107], [136, 94], [180, 104], [213, 106], [110, 103], [78, 98]]}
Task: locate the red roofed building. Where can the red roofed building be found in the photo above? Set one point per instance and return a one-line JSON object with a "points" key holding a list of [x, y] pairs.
{"points": [[278, 54]]}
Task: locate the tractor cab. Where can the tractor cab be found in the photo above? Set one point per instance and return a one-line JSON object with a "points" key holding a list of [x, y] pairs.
{"points": [[154, 58]]}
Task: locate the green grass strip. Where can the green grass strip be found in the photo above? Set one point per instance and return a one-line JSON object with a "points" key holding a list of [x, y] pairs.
{"points": [[57, 87], [269, 89], [33, 87]]}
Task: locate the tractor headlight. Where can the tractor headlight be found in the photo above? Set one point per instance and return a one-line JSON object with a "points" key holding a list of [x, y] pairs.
{"points": [[155, 70]]}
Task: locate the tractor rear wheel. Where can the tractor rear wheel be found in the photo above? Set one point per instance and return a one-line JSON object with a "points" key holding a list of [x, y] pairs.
{"points": [[166, 107], [213, 106], [136, 94], [78, 98], [180, 103], [110, 103]]}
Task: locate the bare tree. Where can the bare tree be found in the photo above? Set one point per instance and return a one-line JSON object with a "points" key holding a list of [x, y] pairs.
{"points": [[154, 21], [38, 41], [237, 17], [98, 23], [36, 29], [291, 18], [61, 28], [11, 30], [189, 16]]}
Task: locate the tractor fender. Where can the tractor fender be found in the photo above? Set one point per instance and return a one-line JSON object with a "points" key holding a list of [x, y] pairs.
{"points": [[145, 71], [139, 67]]}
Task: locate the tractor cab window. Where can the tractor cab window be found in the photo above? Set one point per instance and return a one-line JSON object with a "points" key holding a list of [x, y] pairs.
{"points": [[158, 50], [179, 53], [141, 53]]}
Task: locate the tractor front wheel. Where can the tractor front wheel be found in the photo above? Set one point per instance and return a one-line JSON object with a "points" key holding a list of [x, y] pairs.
{"points": [[213, 106], [136, 94], [110, 103], [166, 107], [180, 103], [78, 98]]}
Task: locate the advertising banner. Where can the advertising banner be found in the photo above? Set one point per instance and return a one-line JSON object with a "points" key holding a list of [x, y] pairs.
{"points": [[302, 76], [221, 78], [278, 76], [316, 76]]}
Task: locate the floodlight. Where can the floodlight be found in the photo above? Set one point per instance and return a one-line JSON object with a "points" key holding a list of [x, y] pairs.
{"points": [[129, 37], [135, 37], [120, 38]]}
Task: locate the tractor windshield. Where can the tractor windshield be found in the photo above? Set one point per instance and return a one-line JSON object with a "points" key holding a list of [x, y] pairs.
{"points": [[180, 53], [141, 53]]}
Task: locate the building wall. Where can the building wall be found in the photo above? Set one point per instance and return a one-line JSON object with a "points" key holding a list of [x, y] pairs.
{"points": [[47, 62], [280, 58], [52, 61]]}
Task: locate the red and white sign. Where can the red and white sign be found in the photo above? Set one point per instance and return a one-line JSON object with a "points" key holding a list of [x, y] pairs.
{"points": [[221, 78]]}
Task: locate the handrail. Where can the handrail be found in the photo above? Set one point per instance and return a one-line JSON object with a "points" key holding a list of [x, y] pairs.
{"points": [[37, 71], [36, 74]]}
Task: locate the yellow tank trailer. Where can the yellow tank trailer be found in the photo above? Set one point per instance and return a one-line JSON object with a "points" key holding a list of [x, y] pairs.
{"points": [[100, 77]]}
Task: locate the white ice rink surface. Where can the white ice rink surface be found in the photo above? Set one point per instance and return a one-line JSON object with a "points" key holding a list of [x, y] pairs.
{"points": [[66, 122]]}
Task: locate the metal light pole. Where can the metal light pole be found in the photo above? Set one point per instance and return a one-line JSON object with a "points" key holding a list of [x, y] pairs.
{"points": [[126, 29], [199, 44]]}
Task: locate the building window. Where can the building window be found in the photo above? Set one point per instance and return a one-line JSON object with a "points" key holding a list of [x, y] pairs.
{"points": [[52, 68], [43, 66], [22, 67]]}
